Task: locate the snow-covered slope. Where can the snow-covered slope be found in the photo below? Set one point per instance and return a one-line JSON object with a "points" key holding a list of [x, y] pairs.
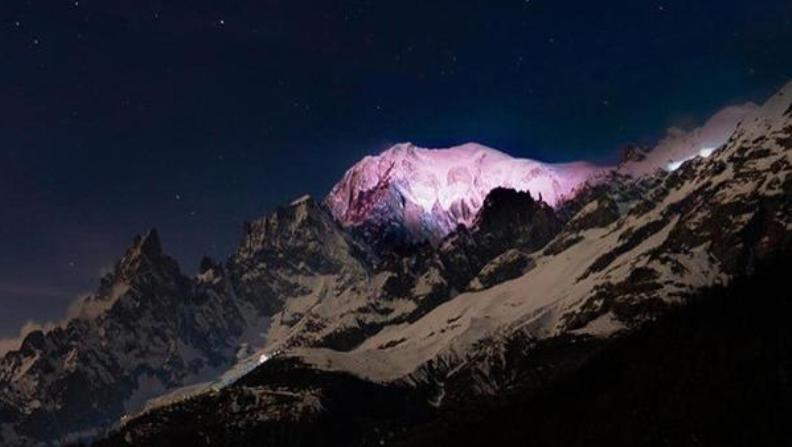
{"points": [[700, 225]]}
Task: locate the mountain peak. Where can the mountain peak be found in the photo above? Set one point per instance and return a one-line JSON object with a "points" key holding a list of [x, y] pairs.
{"points": [[148, 243], [145, 254], [427, 193]]}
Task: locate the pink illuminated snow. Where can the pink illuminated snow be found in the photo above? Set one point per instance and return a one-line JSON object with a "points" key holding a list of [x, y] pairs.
{"points": [[432, 191], [446, 187]]}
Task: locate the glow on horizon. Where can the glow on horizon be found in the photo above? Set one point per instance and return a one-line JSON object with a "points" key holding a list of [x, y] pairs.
{"points": [[706, 152], [703, 153]]}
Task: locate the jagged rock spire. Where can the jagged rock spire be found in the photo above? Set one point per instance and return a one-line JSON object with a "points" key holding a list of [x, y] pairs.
{"points": [[149, 243]]}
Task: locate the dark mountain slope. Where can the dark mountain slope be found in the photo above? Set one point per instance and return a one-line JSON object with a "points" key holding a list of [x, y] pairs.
{"points": [[282, 403], [714, 373]]}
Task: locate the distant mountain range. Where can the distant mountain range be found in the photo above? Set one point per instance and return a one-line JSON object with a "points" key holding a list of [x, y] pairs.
{"points": [[428, 282]]}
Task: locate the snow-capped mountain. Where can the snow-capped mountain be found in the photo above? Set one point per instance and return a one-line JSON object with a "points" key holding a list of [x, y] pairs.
{"points": [[507, 272], [700, 225], [416, 194], [412, 194]]}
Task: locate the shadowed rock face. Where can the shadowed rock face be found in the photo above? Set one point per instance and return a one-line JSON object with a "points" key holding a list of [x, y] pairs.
{"points": [[508, 219], [516, 217], [301, 239]]}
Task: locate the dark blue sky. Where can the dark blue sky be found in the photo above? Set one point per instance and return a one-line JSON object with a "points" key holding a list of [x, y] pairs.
{"points": [[193, 116]]}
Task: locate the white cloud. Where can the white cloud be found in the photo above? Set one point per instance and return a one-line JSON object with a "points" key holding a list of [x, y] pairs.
{"points": [[680, 145]]}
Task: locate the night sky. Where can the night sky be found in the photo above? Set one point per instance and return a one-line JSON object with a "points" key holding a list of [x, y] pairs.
{"points": [[194, 116]]}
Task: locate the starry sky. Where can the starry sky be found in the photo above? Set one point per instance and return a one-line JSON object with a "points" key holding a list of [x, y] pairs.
{"points": [[194, 116]]}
